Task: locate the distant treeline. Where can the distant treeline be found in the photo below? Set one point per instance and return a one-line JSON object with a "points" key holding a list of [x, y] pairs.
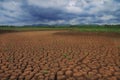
{"points": [[82, 28], [60, 26], [95, 26]]}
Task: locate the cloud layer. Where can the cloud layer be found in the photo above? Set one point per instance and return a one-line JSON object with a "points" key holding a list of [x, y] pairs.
{"points": [[28, 12]]}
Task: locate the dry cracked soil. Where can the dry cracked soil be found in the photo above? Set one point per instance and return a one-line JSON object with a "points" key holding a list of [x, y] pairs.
{"points": [[59, 55]]}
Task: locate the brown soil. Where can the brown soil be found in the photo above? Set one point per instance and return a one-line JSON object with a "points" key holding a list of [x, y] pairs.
{"points": [[59, 55], [7, 31]]}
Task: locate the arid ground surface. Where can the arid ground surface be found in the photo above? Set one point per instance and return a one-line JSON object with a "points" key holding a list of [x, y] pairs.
{"points": [[59, 55]]}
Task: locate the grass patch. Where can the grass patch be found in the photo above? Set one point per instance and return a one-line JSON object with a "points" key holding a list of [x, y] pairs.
{"points": [[81, 28], [45, 71], [65, 55]]}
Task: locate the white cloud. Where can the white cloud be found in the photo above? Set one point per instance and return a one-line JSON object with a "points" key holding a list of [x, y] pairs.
{"points": [[11, 8], [51, 22], [48, 3], [107, 17], [10, 5], [74, 6], [3, 19]]}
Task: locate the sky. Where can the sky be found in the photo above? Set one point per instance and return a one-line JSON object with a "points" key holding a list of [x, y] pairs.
{"points": [[52, 12]]}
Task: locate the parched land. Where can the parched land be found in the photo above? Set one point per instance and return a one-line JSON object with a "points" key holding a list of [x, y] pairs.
{"points": [[59, 55]]}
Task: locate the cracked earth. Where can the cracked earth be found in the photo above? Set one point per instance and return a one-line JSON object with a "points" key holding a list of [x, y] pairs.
{"points": [[59, 55]]}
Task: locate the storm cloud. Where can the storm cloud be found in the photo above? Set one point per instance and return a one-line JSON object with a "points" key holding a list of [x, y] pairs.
{"points": [[28, 12]]}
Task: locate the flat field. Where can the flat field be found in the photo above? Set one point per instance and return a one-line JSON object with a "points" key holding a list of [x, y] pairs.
{"points": [[60, 55]]}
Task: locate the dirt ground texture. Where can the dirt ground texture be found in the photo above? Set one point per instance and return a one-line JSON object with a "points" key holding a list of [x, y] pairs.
{"points": [[59, 55]]}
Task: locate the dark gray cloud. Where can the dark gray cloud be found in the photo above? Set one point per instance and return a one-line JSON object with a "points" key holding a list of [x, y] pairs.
{"points": [[27, 12]]}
